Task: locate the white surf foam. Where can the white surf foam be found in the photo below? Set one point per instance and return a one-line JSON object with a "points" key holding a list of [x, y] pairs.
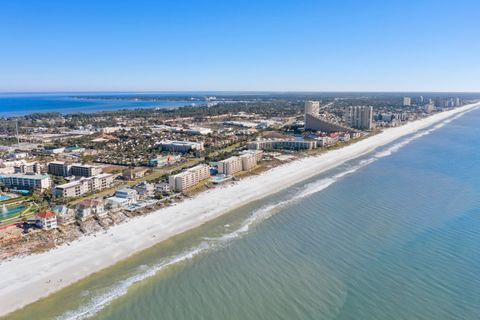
{"points": [[100, 301]]}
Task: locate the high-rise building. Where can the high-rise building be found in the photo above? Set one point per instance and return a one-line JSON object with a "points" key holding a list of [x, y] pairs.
{"points": [[458, 103], [360, 117], [407, 101], [312, 107], [429, 108], [314, 122]]}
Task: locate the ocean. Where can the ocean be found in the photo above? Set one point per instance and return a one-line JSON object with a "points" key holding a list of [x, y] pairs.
{"points": [[392, 235], [19, 104]]}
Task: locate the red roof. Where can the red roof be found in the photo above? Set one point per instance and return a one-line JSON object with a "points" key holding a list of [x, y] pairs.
{"points": [[46, 214]]}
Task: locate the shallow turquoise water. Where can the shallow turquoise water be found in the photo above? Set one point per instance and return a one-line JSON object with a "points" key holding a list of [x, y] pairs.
{"points": [[9, 211], [393, 235]]}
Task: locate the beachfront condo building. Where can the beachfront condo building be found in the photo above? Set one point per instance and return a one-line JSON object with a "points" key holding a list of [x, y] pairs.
{"points": [[85, 170], [180, 146], [249, 161], [360, 117], [407, 101], [257, 154], [28, 168], [189, 178], [245, 162], [84, 185], [281, 144], [58, 168], [26, 181], [230, 166], [62, 169]]}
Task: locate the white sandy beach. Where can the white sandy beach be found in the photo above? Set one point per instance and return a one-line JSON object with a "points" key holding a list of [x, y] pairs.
{"points": [[27, 279]]}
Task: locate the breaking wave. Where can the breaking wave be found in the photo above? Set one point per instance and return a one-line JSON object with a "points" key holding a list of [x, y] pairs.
{"points": [[101, 300]]}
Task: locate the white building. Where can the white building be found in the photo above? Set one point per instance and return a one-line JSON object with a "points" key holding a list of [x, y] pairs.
{"points": [[84, 185], [407, 101], [360, 117], [46, 220], [28, 181], [123, 197], [189, 178]]}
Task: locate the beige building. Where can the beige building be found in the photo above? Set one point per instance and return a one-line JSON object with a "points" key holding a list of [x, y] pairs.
{"points": [[135, 173], [189, 178], [230, 166], [245, 162], [85, 170], [84, 185], [249, 161]]}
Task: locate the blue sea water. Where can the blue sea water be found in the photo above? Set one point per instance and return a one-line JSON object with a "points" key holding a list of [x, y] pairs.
{"points": [[393, 235], [25, 103]]}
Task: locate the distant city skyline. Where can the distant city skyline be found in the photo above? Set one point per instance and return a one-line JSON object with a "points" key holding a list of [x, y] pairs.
{"points": [[317, 46]]}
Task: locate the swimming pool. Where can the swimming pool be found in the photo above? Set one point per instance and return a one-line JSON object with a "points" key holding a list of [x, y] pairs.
{"points": [[8, 212], [2, 198]]}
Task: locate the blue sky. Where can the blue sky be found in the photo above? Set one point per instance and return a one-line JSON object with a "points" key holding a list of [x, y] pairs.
{"points": [[390, 45]]}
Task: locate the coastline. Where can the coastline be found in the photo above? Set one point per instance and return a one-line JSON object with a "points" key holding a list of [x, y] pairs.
{"points": [[25, 279]]}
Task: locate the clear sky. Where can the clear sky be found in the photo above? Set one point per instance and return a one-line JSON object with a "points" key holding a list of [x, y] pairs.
{"points": [[335, 45]]}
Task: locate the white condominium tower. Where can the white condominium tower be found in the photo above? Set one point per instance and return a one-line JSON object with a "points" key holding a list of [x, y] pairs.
{"points": [[312, 107], [360, 117]]}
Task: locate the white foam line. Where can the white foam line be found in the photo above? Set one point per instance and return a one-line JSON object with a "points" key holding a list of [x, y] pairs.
{"points": [[66, 264], [97, 303]]}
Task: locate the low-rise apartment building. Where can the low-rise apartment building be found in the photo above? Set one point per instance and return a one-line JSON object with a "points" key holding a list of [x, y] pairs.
{"points": [[180, 146], [28, 168], [189, 178], [85, 170], [60, 168], [84, 185], [282, 144], [26, 181]]}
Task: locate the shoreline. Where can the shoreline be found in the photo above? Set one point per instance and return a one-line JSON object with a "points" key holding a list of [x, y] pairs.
{"points": [[29, 278]]}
